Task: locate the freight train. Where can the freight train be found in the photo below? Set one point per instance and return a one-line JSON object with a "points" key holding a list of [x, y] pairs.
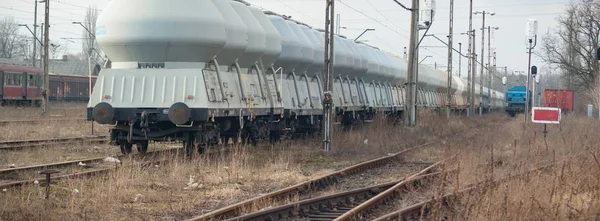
{"points": [[22, 85], [204, 71]]}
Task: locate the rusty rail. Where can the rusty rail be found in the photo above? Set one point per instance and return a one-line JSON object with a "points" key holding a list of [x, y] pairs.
{"points": [[359, 210], [330, 206], [70, 163], [68, 176], [235, 209], [8, 122], [20, 144], [50, 165], [421, 210]]}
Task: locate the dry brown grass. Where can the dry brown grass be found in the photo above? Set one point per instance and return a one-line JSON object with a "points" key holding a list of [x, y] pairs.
{"points": [[159, 192], [45, 127], [569, 190], [55, 110]]}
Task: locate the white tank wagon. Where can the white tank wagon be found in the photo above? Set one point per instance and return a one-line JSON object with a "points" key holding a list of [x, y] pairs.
{"points": [[239, 72]]}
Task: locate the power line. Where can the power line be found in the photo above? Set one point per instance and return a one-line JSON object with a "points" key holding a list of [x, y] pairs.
{"points": [[78, 6], [18, 10], [375, 20]]}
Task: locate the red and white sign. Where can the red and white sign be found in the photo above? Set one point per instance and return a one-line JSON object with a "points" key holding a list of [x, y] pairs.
{"points": [[546, 115]]}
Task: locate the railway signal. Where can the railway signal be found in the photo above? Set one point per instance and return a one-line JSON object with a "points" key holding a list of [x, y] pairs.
{"points": [[531, 36], [546, 115], [533, 74]]}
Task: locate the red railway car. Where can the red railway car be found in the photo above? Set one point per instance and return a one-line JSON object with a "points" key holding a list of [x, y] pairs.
{"points": [[23, 85], [561, 98]]}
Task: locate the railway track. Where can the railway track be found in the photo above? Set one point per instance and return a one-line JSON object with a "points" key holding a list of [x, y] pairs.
{"points": [[16, 122], [85, 171], [421, 210], [237, 209], [21, 144], [344, 205]]}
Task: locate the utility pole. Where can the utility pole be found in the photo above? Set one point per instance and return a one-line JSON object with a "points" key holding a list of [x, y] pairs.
{"points": [[450, 43], [46, 77], [473, 72], [42, 46], [532, 33], [459, 58], [471, 67], [411, 109], [482, 66], [489, 81], [482, 57], [328, 79], [35, 3], [493, 69]]}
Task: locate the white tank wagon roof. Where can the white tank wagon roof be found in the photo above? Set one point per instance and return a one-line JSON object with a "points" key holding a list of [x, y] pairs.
{"points": [[291, 50], [364, 60], [237, 34], [342, 59], [159, 31], [355, 59], [308, 54], [257, 45], [318, 48], [373, 63], [273, 37]]}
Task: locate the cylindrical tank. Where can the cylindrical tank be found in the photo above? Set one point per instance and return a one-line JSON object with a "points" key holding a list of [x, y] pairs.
{"points": [[307, 51], [342, 58], [291, 51], [354, 58], [144, 31], [384, 67], [320, 36], [359, 60], [373, 64], [256, 46], [400, 67], [237, 36], [273, 38], [395, 73], [318, 60]]}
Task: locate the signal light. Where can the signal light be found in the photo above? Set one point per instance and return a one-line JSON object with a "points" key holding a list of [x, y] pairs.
{"points": [[533, 70]]}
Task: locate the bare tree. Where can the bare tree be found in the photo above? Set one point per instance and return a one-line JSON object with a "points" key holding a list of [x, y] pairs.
{"points": [[90, 45], [9, 38], [572, 46]]}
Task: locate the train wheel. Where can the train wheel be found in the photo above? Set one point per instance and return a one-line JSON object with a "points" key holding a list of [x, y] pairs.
{"points": [[126, 147], [264, 130], [142, 147], [188, 144]]}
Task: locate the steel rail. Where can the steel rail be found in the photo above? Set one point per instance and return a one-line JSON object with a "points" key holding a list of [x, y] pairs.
{"points": [[422, 209], [75, 174], [325, 180], [7, 122], [20, 144], [235, 209], [361, 209], [330, 206]]}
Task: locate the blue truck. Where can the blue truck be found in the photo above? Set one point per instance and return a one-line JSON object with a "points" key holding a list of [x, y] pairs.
{"points": [[515, 100]]}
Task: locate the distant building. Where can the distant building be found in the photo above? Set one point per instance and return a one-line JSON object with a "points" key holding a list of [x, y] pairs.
{"points": [[60, 66]]}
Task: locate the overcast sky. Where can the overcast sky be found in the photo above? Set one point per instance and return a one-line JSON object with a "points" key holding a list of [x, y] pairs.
{"points": [[390, 21]]}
